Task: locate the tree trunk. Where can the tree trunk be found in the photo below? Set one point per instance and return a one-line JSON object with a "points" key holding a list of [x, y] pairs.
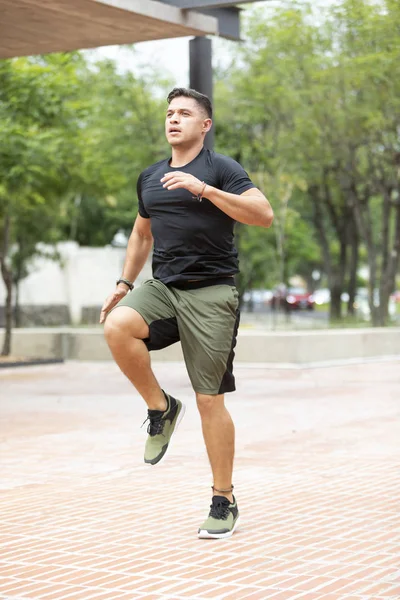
{"points": [[280, 229], [388, 277], [336, 284], [6, 350], [7, 278], [363, 218], [384, 292], [353, 266], [18, 270], [386, 210], [336, 272], [335, 307], [321, 231], [17, 308], [324, 243]]}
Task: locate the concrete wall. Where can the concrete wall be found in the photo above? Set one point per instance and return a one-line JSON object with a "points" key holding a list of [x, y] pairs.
{"points": [[253, 346], [72, 288]]}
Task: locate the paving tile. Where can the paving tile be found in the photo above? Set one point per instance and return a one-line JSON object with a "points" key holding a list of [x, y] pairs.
{"points": [[239, 594], [381, 589], [83, 518], [284, 595]]}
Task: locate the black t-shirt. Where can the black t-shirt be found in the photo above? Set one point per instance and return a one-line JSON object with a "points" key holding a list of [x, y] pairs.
{"points": [[192, 240]]}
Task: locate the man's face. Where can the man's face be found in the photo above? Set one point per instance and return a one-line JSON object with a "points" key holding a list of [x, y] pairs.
{"points": [[186, 122]]}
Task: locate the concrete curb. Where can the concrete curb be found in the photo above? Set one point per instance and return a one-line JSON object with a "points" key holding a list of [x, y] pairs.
{"points": [[254, 346], [31, 363]]}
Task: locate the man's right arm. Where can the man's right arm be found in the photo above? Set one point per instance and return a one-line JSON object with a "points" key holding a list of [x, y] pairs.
{"points": [[137, 252]]}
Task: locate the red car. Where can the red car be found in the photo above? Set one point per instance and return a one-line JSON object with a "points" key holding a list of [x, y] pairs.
{"points": [[293, 299]]}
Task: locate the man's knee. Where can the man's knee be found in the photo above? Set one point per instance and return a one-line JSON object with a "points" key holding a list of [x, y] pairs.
{"points": [[124, 322], [208, 403]]}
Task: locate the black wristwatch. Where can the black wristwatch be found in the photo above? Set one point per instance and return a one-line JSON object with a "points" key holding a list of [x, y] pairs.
{"points": [[127, 282]]}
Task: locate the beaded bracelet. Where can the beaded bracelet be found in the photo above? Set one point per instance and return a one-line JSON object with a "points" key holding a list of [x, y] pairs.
{"points": [[200, 196]]}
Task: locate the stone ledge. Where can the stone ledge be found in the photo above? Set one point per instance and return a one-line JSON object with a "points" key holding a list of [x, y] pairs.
{"points": [[29, 362], [288, 347]]}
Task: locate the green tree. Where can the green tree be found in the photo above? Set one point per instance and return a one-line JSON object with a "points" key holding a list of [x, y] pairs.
{"points": [[38, 120], [368, 70], [254, 115], [74, 137], [257, 257], [121, 134], [320, 103]]}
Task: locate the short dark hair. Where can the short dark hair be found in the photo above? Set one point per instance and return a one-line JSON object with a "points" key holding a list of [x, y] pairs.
{"points": [[201, 99]]}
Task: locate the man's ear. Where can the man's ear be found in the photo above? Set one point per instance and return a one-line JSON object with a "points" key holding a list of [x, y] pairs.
{"points": [[207, 124]]}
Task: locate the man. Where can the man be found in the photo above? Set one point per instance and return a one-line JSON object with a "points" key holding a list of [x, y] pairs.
{"points": [[188, 206]]}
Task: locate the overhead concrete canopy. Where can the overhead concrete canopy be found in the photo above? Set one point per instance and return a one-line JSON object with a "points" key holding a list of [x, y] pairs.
{"points": [[40, 26]]}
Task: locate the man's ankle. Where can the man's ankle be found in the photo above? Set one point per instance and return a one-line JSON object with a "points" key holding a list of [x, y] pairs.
{"points": [[158, 403], [225, 491]]}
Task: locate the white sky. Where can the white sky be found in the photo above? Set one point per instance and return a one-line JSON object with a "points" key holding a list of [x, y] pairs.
{"points": [[171, 56]]}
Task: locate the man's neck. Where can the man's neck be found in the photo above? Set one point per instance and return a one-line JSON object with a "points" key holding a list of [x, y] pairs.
{"points": [[183, 156]]}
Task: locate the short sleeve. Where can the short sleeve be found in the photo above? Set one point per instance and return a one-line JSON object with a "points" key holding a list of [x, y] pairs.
{"points": [[232, 177], [142, 211]]}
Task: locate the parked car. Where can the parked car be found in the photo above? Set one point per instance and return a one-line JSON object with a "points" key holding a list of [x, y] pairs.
{"points": [[292, 299]]}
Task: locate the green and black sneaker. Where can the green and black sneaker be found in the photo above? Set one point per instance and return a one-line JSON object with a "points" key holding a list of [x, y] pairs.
{"points": [[222, 520], [161, 427]]}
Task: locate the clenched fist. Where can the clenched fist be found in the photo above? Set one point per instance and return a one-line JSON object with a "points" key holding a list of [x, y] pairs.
{"points": [[178, 179]]}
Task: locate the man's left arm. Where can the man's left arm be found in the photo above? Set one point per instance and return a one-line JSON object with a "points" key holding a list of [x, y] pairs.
{"points": [[251, 207]]}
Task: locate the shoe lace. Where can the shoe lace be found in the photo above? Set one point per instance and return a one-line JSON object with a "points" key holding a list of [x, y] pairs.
{"points": [[219, 508], [156, 424]]}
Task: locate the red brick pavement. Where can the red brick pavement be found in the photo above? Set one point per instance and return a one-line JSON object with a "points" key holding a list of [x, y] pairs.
{"points": [[317, 481]]}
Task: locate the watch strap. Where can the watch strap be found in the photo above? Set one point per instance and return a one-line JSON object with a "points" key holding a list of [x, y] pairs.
{"points": [[127, 282]]}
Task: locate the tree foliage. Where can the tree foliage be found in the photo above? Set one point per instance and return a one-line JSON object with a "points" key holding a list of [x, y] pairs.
{"points": [[36, 122], [73, 138], [310, 106], [317, 99]]}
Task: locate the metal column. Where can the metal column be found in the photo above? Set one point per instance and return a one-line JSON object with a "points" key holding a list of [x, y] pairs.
{"points": [[201, 75]]}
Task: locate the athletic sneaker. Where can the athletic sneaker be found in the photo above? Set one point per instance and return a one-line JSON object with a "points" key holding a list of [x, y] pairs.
{"points": [[222, 520], [161, 427]]}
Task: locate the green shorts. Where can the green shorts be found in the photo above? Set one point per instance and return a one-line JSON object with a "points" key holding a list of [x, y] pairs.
{"points": [[205, 321]]}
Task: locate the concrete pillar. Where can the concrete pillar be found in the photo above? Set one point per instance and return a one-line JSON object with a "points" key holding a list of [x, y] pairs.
{"points": [[201, 75]]}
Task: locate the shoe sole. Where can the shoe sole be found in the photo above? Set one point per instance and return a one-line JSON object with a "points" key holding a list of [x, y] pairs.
{"points": [[156, 460], [205, 535]]}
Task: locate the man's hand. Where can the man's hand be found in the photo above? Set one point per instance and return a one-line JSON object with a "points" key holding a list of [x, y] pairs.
{"points": [[120, 291], [177, 179]]}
